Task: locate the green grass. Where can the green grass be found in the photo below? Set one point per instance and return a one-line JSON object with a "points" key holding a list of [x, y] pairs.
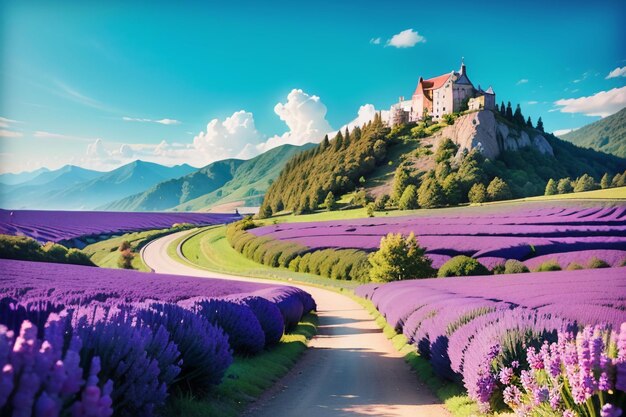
{"points": [[617, 193], [209, 249], [247, 378], [105, 253]]}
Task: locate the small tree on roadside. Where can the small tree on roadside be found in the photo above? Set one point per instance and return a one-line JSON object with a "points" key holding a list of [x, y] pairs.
{"points": [[330, 202], [585, 183], [125, 261], [498, 190], [478, 193], [399, 258], [605, 182], [564, 186], [551, 188]]}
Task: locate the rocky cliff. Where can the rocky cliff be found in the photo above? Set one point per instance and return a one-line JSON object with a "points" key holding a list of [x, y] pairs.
{"points": [[482, 129]]}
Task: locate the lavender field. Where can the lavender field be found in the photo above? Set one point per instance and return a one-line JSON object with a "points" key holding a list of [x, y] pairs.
{"points": [[62, 226], [466, 325], [565, 233], [99, 342]]}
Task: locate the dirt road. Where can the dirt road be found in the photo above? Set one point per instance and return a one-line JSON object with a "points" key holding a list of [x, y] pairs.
{"points": [[351, 369]]}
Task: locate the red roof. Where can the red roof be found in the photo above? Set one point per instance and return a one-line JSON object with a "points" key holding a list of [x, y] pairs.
{"points": [[432, 83]]}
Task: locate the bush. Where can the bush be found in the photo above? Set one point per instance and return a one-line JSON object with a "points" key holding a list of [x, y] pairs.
{"points": [[513, 266], [269, 316], [330, 202], [498, 190], [574, 266], [27, 249], [399, 258], [597, 263], [125, 260], [462, 266], [548, 266], [244, 331], [477, 194]]}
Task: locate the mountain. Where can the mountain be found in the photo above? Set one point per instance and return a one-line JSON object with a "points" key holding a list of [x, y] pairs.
{"points": [[13, 179], [78, 189], [450, 156], [227, 181], [606, 135]]}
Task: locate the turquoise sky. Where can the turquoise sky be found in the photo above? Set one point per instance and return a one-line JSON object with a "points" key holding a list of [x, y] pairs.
{"points": [[72, 71]]}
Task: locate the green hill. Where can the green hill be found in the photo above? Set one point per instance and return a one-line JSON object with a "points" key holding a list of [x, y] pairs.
{"points": [[221, 182], [606, 135]]}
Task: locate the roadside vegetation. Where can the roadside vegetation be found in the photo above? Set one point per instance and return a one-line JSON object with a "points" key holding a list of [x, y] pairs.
{"points": [[26, 249]]}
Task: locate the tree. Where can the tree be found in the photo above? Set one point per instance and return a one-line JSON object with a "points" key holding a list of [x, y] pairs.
{"points": [[551, 188], [478, 193], [446, 150], [325, 143], [452, 189], [266, 211], [346, 138], [360, 198], [539, 126], [430, 193], [330, 202], [509, 112], [408, 201], [124, 246], [125, 260], [605, 182], [370, 210], [502, 109], [462, 266], [338, 141], [529, 122], [518, 117], [401, 178], [399, 258], [498, 190], [564, 186], [381, 202], [585, 183]]}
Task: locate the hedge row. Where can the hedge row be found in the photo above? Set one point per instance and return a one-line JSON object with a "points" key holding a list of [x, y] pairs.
{"points": [[343, 264]]}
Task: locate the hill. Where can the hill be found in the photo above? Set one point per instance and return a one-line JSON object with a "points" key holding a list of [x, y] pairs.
{"points": [[479, 146], [74, 188], [241, 183], [606, 135], [21, 177]]}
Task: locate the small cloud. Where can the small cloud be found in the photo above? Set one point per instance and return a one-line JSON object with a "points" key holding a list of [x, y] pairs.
{"points": [[5, 133], [532, 102], [4, 122], [561, 132], [375, 41], [603, 103], [522, 81], [161, 121], [40, 134], [617, 72], [406, 39]]}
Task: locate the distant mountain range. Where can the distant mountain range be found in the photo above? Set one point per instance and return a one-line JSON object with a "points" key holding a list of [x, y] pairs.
{"points": [[13, 179], [606, 135], [224, 185], [75, 188]]}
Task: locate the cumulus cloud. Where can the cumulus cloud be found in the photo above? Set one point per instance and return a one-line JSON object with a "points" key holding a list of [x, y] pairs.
{"points": [[375, 41], [406, 39], [165, 121], [603, 103], [522, 81], [224, 139], [96, 150], [617, 72]]}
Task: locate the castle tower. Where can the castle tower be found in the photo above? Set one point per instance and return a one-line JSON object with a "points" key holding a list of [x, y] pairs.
{"points": [[462, 71]]}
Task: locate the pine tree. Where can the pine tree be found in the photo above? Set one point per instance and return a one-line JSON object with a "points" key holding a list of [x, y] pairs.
{"points": [[529, 122], [338, 141], [551, 188], [408, 201], [502, 109], [325, 143], [346, 139], [478, 193], [518, 117], [539, 126], [509, 112], [401, 179], [605, 182], [565, 186], [330, 202]]}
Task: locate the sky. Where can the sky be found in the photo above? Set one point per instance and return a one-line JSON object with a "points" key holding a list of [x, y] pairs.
{"points": [[99, 84]]}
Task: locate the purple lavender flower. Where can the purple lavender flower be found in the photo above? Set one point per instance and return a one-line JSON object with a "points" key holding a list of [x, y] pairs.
{"points": [[512, 396], [609, 410], [505, 376], [515, 364]]}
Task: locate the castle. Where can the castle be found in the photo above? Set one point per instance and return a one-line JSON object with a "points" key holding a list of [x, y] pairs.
{"points": [[447, 93]]}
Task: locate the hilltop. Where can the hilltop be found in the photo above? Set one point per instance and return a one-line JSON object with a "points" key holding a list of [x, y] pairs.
{"points": [[606, 135]]}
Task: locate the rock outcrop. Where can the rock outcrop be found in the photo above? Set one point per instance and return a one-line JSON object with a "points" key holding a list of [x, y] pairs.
{"points": [[482, 129]]}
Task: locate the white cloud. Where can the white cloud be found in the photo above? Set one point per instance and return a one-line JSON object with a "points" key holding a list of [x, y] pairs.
{"points": [[97, 150], [531, 102], [522, 81], [375, 41], [4, 122], [40, 134], [560, 132], [406, 39], [617, 72], [603, 103], [225, 139], [6, 133], [160, 121]]}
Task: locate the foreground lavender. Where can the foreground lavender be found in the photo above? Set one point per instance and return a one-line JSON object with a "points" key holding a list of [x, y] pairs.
{"points": [[64, 226], [100, 342], [464, 324], [519, 232]]}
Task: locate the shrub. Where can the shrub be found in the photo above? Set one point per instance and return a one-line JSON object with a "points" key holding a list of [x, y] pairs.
{"points": [[547, 266], [477, 194], [370, 210], [574, 266], [597, 263], [269, 316], [27, 249], [399, 258], [244, 331], [125, 260], [551, 188], [513, 266], [498, 190], [462, 266], [330, 202], [498, 269]]}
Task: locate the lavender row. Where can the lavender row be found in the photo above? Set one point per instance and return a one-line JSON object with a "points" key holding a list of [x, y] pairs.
{"points": [[137, 336], [57, 226]]}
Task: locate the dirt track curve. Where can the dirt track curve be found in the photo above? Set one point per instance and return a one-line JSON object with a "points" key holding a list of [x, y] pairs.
{"points": [[350, 369]]}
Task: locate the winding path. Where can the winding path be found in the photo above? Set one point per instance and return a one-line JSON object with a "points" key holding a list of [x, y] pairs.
{"points": [[350, 369]]}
